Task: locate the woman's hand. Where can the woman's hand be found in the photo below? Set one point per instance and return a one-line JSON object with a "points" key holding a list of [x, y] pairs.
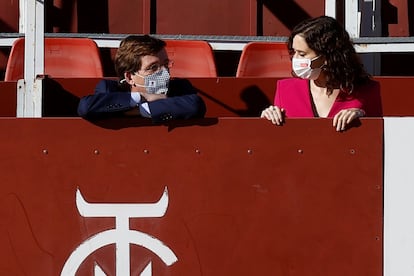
{"points": [[274, 113], [346, 116]]}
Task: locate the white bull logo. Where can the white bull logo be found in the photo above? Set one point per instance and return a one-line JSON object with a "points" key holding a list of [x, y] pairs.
{"points": [[121, 235]]}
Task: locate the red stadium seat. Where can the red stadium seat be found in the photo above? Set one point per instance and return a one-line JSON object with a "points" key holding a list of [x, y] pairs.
{"points": [[191, 58], [64, 57], [264, 59]]}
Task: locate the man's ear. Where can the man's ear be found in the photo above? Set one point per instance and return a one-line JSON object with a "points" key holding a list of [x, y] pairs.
{"points": [[128, 78]]}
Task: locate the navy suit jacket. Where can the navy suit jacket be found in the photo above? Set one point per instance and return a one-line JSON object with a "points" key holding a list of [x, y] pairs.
{"points": [[109, 101]]}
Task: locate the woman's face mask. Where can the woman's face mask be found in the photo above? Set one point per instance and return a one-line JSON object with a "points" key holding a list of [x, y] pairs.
{"points": [[302, 68], [156, 83]]}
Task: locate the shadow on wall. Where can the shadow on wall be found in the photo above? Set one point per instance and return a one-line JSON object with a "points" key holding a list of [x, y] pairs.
{"points": [[389, 15], [393, 63], [255, 101], [283, 10], [128, 122], [4, 51], [60, 19], [252, 96], [58, 102], [410, 10]]}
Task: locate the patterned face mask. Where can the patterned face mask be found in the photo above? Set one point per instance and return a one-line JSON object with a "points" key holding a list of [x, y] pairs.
{"points": [[156, 83]]}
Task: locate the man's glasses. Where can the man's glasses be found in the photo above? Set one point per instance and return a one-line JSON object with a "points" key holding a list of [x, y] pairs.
{"points": [[155, 67]]}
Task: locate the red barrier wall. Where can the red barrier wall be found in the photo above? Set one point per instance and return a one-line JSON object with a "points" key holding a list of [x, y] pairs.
{"points": [[244, 197]]}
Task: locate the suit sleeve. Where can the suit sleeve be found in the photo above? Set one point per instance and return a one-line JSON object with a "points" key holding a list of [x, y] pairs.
{"points": [[108, 101], [105, 101], [183, 102], [178, 107]]}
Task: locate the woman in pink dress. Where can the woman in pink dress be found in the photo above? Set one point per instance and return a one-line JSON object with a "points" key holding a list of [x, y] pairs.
{"points": [[329, 79]]}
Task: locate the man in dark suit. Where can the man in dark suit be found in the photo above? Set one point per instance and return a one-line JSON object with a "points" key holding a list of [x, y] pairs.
{"points": [[145, 88]]}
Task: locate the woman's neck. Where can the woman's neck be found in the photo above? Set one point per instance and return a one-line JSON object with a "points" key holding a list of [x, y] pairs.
{"points": [[317, 88], [320, 82], [321, 99]]}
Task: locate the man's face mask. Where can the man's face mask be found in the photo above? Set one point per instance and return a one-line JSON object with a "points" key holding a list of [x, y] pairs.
{"points": [[302, 68], [156, 83]]}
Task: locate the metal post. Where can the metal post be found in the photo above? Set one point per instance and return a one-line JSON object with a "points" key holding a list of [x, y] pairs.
{"points": [[29, 89], [22, 16], [352, 18], [371, 27], [371, 18], [330, 8]]}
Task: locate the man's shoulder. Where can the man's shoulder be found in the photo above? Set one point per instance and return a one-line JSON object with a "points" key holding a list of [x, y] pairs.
{"points": [[108, 85]]}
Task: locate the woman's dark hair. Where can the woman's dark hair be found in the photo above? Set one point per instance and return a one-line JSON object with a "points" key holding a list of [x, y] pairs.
{"points": [[327, 37]]}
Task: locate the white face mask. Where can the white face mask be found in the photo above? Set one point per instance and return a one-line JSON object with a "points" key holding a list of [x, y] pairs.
{"points": [[302, 68], [156, 83]]}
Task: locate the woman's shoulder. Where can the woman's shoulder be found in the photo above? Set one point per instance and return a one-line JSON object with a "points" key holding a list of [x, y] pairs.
{"points": [[292, 83]]}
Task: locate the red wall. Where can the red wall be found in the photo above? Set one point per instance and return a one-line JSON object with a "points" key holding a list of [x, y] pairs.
{"points": [[244, 197], [227, 17]]}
